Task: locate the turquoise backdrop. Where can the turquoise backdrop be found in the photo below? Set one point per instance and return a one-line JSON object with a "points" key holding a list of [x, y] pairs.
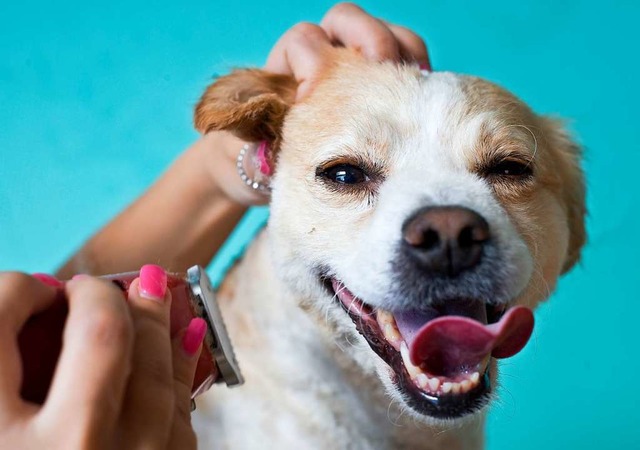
{"points": [[95, 101]]}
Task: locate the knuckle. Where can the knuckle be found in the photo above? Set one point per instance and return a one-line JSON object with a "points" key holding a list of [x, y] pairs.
{"points": [[156, 368], [183, 413], [83, 437], [97, 288], [305, 31], [344, 8], [154, 322], [78, 434], [15, 287], [153, 361], [11, 282], [384, 46], [418, 43], [108, 328], [156, 371]]}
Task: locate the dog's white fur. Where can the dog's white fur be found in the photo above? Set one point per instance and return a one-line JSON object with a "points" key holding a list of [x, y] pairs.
{"points": [[311, 380]]}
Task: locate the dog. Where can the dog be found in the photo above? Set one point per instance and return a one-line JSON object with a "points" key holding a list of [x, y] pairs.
{"points": [[416, 219]]}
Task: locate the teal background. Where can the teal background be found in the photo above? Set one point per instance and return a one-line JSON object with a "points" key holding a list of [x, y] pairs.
{"points": [[95, 101]]}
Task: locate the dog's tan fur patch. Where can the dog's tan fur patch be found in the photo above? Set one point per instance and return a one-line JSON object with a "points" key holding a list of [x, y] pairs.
{"points": [[312, 382]]}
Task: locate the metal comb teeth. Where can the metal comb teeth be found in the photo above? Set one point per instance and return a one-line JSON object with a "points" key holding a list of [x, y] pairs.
{"points": [[221, 347]]}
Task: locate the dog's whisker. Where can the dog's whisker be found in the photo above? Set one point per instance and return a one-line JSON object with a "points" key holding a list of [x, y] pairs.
{"points": [[346, 338], [400, 413]]}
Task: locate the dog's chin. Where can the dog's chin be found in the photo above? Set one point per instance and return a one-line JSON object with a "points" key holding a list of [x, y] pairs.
{"points": [[431, 398]]}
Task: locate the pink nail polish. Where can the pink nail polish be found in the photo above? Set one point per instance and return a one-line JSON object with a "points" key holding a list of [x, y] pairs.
{"points": [[153, 282], [194, 335], [192, 296], [48, 280], [425, 66]]}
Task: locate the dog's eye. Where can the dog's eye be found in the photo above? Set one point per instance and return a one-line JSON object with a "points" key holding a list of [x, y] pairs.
{"points": [[511, 168], [345, 174]]}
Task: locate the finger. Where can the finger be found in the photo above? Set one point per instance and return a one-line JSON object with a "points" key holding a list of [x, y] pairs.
{"points": [[349, 25], [150, 399], [412, 46], [300, 52], [187, 346], [21, 296], [89, 383]]}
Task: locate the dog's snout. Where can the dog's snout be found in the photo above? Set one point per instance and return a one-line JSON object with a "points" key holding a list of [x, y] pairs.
{"points": [[446, 240]]}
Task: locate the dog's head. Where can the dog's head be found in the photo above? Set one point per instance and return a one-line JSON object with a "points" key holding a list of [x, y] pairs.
{"points": [[427, 212]]}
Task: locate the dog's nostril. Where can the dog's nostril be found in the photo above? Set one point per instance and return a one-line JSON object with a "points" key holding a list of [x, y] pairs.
{"points": [[465, 239], [431, 240]]}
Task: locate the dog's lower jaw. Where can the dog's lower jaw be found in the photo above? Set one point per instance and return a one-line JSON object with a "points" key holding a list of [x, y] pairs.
{"points": [[302, 388]]}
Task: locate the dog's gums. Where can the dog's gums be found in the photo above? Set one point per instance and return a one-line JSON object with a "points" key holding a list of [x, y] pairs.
{"points": [[445, 374]]}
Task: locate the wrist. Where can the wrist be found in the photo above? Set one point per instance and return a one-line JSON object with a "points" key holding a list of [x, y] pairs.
{"points": [[218, 152]]}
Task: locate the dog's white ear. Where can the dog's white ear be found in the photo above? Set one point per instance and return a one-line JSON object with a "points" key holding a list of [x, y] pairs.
{"points": [[568, 168], [250, 103]]}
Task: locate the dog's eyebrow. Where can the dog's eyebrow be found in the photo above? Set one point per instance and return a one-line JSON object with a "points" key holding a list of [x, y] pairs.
{"points": [[508, 140]]}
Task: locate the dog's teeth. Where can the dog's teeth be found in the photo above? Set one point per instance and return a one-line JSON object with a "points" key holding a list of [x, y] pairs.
{"points": [[465, 386], [391, 334], [446, 387], [475, 378], [455, 388], [413, 370], [434, 384], [422, 380], [384, 317]]}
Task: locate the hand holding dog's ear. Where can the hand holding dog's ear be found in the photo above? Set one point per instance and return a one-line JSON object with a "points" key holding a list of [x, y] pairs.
{"points": [[252, 104], [302, 52]]}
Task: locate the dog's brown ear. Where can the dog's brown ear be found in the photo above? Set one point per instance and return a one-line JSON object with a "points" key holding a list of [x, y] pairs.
{"points": [[569, 171], [250, 103]]}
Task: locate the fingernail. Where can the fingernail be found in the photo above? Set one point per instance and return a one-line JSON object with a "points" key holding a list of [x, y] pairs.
{"points": [[79, 276], [48, 280], [194, 335], [424, 66], [153, 282], [261, 154]]}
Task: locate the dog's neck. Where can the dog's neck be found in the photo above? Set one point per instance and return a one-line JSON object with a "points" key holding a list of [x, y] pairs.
{"points": [[303, 389]]}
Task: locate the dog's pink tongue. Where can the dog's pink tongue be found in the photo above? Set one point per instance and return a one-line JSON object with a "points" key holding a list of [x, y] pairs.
{"points": [[451, 344]]}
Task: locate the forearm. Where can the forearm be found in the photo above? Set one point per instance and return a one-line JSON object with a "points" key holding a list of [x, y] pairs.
{"points": [[182, 220]]}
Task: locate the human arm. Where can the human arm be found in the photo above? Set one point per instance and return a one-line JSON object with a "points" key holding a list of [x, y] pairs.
{"points": [[182, 220], [186, 216]]}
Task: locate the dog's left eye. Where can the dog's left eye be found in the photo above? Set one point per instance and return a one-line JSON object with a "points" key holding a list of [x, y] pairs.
{"points": [[345, 174]]}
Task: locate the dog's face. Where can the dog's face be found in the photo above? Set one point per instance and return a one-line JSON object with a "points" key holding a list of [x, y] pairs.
{"points": [[419, 213]]}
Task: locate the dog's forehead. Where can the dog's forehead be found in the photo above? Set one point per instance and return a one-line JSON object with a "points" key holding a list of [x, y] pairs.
{"points": [[400, 114]]}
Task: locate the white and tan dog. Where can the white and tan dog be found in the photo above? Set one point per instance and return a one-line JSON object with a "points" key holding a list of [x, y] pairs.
{"points": [[415, 221]]}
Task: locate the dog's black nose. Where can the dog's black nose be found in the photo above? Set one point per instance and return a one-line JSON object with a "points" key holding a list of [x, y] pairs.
{"points": [[445, 240]]}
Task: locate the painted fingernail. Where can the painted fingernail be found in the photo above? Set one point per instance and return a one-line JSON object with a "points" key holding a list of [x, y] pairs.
{"points": [[194, 335], [424, 66], [48, 280], [261, 154], [153, 282]]}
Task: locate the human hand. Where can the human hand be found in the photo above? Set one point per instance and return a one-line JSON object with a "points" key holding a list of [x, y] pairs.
{"points": [[301, 53], [121, 381]]}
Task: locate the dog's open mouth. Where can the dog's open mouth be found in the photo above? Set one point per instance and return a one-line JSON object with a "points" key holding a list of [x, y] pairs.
{"points": [[440, 356]]}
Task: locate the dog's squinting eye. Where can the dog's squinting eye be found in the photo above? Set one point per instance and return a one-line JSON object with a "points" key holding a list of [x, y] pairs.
{"points": [[345, 174], [510, 168]]}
